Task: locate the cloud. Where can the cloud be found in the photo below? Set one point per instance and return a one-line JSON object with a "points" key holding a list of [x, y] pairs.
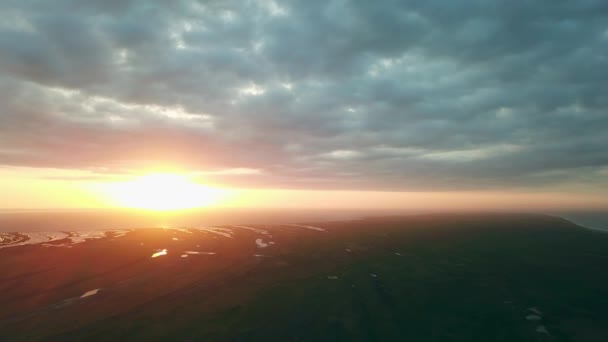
{"points": [[424, 95]]}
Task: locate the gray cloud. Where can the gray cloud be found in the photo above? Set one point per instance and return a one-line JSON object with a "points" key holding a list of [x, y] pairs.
{"points": [[424, 95]]}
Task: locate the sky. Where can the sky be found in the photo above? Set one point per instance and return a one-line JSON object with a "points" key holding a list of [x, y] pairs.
{"points": [[307, 103]]}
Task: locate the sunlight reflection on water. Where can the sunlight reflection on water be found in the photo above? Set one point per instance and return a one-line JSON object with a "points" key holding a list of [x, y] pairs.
{"points": [[160, 253], [89, 293]]}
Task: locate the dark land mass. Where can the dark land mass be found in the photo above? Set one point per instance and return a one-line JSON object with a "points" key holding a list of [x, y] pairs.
{"points": [[416, 278]]}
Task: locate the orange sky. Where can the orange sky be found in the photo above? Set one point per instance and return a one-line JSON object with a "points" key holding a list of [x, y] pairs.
{"points": [[52, 188]]}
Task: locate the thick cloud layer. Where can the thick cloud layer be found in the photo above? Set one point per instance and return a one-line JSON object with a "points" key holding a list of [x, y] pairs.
{"points": [[391, 95]]}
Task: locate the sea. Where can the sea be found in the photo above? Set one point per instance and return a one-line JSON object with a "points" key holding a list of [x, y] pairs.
{"points": [[16, 220]]}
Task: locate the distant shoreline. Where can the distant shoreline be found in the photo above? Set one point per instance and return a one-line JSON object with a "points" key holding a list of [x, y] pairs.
{"points": [[49, 220], [586, 223], [591, 228]]}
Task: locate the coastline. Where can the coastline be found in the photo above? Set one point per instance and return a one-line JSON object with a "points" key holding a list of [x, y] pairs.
{"points": [[595, 221]]}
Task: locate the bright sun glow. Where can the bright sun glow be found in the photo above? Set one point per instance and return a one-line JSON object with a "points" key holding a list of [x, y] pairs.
{"points": [[164, 192]]}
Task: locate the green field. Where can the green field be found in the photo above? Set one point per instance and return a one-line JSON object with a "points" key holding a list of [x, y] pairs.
{"points": [[416, 278]]}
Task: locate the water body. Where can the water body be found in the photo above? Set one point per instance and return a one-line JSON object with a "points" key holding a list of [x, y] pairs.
{"points": [[76, 220], [597, 220], [102, 220]]}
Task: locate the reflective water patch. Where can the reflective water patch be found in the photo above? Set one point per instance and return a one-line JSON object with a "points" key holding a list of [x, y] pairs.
{"points": [[159, 253], [257, 230], [542, 329], [319, 229], [225, 232], [90, 293], [260, 243]]}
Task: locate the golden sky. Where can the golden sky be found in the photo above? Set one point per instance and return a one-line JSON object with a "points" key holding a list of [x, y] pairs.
{"points": [[29, 188]]}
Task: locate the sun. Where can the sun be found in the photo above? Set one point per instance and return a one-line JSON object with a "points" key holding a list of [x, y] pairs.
{"points": [[162, 191]]}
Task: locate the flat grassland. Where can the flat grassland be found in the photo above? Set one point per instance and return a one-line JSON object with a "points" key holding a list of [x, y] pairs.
{"points": [[457, 277]]}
